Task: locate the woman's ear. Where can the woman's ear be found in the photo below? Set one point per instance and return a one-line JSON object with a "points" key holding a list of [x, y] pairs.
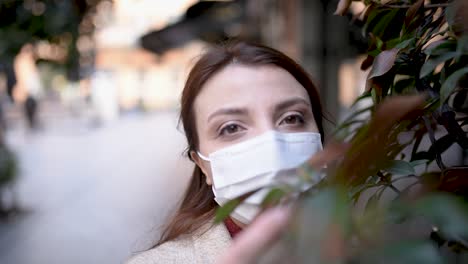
{"points": [[203, 165]]}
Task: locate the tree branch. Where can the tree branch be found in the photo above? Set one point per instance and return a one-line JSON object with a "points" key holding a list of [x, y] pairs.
{"points": [[394, 188], [433, 140]]}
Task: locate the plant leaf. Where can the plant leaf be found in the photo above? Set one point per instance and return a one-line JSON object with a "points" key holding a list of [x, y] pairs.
{"points": [[440, 47], [273, 197], [342, 7], [462, 45], [372, 203], [224, 211], [384, 22], [416, 163], [404, 44], [435, 45], [404, 252], [383, 63], [317, 215], [355, 192], [351, 120], [400, 167], [393, 109], [363, 96], [451, 12], [431, 64], [412, 11], [447, 212], [451, 83]]}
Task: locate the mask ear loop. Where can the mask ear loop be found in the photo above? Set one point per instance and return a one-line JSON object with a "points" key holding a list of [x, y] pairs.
{"points": [[203, 157], [207, 159]]}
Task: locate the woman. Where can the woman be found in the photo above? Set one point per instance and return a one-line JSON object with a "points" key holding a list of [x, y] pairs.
{"points": [[250, 115]]}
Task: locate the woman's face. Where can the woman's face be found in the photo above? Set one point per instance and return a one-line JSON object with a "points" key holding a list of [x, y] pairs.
{"points": [[241, 102]]}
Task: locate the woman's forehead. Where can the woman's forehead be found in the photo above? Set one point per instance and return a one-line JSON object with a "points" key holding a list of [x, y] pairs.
{"points": [[243, 86]]}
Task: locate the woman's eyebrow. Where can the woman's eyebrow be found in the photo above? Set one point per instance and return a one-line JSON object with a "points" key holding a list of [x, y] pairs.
{"points": [[228, 111], [290, 102]]}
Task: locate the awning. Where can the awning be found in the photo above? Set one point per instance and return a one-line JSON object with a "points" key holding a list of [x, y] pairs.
{"points": [[211, 21]]}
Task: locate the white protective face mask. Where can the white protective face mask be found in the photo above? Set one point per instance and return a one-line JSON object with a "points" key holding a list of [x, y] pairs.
{"points": [[257, 163]]}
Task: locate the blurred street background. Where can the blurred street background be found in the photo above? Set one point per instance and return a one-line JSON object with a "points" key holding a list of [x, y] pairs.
{"points": [[91, 155], [92, 195]]}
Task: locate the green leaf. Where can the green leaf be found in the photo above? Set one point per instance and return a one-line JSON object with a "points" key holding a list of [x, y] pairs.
{"points": [[412, 12], [354, 114], [316, 213], [440, 47], [373, 179], [416, 163], [451, 13], [360, 98], [379, 43], [384, 21], [404, 252], [447, 212], [404, 44], [400, 167], [224, 211], [373, 202], [373, 15], [404, 84], [451, 83], [273, 197], [356, 191], [431, 64], [462, 45], [347, 125]]}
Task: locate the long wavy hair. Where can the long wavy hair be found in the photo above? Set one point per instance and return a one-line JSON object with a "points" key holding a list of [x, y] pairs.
{"points": [[198, 205]]}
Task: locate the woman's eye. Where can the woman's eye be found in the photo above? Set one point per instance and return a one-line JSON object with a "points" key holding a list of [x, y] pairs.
{"points": [[293, 120], [230, 129]]}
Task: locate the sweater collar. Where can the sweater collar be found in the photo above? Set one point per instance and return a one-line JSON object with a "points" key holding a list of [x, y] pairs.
{"points": [[232, 227]]}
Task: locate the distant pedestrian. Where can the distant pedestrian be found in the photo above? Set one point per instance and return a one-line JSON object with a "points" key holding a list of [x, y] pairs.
{"points": [[2, 118], [30, 110], [29, 83]]}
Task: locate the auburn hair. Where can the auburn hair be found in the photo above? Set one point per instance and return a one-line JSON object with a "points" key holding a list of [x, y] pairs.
{"points": [[198, 205]]}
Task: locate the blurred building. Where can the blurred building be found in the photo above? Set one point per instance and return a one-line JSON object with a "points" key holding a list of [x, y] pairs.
{"points": [[325, 44], [136, 54], [305, 30], [137, 77], [141, 51]]}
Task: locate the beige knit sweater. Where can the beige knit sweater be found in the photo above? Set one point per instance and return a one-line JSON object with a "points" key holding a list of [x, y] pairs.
{"points": [[203, 248]]}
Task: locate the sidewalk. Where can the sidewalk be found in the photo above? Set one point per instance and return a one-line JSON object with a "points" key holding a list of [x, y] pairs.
{"points": [[95, 196]]}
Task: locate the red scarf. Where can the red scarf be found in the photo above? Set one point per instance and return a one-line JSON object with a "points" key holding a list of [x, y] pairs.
{"points": [[233, 229]]}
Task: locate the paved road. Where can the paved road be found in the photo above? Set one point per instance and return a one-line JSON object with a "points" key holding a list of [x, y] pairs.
{"points": [[93, 195]]}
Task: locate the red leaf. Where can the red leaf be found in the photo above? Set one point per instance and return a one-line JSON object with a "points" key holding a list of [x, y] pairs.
{"points": [[461, 16], [367, 62], [365, 13], [332, 151], [412, 11], [394, 109], [382, 64], [342, 7]]}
